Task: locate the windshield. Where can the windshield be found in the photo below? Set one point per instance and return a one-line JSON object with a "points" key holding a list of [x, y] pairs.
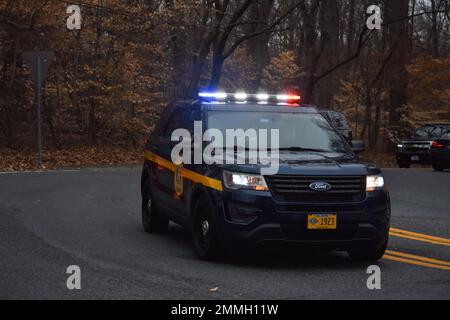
{"points": [[298, 131], [433, 132]]}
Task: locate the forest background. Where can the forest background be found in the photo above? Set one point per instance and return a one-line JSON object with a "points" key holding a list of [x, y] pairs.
{"points": [[109, 80]]}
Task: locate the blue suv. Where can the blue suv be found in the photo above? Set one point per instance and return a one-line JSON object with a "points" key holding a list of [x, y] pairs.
{"points": [[322, 194]]}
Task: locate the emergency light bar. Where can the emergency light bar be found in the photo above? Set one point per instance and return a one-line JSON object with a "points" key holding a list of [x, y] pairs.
{"points": [[242, 97]]}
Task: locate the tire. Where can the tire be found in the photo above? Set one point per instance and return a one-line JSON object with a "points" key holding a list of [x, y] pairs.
{"points": [[204, 230], [438, 168], [368, 253], [404, 165], [152, 221]]}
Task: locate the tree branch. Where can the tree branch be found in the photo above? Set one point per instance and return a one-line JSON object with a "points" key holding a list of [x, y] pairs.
{"points": [[362, 41], [269, 29]]}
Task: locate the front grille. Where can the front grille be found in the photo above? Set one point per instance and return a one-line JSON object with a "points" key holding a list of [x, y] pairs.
{"points": [[416, 147], [306, 209], [296, 188]]}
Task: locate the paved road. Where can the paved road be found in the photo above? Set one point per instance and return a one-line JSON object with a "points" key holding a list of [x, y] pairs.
{"points": [[91, 218]]}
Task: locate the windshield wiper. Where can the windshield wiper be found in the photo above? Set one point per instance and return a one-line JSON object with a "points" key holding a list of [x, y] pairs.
{"points": [[300, 149], [293, 149]]}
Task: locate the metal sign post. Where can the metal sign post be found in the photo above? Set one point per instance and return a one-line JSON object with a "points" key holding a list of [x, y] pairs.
{"points": [[38, 62]]}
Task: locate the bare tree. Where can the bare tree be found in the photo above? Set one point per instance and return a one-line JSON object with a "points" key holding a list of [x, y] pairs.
{"points": [[396, 15]]}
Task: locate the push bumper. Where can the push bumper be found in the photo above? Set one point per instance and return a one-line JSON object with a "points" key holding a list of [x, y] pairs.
{"points": [[249, 219]]}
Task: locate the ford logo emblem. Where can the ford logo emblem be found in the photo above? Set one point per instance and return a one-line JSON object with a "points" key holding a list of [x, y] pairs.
{"points": [[320, 186]]}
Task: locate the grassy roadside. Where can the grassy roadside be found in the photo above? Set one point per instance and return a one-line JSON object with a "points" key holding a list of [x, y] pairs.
{"points": [[72, 158], [106, 156]]}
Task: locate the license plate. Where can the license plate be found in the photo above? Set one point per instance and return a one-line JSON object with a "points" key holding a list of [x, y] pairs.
{"points": [[322, 221], [415, 158]]}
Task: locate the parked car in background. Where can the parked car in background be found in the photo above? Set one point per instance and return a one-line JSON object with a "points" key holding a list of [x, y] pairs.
{"points": [[440, 153], [418, 148]]}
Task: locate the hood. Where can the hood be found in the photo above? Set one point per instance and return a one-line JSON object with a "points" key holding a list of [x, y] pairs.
{"points": [[417, 140], [309, 163]]}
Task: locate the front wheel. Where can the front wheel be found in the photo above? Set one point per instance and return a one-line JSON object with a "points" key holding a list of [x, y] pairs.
{"points": [[368, 253], [152, 220], [204, 230]]}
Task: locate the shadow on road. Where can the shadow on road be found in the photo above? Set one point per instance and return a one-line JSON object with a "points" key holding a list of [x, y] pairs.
{"points": [[274, 257]]}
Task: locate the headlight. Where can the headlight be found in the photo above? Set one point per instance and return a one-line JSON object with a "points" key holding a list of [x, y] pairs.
{"points": [[375, 183], [237, 181], [400, 146]]}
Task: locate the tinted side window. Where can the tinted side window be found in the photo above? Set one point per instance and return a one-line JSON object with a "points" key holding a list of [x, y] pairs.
{"points": [[339, 120], [162, 121], [433, 132], [181, 118]]}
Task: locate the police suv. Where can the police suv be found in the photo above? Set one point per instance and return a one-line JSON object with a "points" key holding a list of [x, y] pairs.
{"points": [[319, 195]]}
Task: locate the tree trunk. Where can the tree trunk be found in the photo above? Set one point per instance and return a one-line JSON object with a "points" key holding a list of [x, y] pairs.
{"points": [[434, 30], [351, 26], [197, 69], [178, 49], [397, 38], [258, 47], [216, 72], [330, 27], [307, 55]]}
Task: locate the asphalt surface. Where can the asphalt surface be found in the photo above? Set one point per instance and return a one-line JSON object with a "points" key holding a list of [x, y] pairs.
{"points": [[91, 218]]}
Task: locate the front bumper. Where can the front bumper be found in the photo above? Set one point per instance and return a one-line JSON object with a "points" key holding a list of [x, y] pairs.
{"points": [[249, 218], [418, 157]]}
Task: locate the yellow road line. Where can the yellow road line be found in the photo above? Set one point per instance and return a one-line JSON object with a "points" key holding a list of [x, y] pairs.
{"points": [[415, 262], [400, 235], [415, 257], [420, 235]]}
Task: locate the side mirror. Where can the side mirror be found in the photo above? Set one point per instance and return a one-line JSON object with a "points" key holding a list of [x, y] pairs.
{"points": [[358, 146]]}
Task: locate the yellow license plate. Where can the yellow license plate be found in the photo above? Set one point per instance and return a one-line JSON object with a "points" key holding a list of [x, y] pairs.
{"points": [[322, 221]]}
